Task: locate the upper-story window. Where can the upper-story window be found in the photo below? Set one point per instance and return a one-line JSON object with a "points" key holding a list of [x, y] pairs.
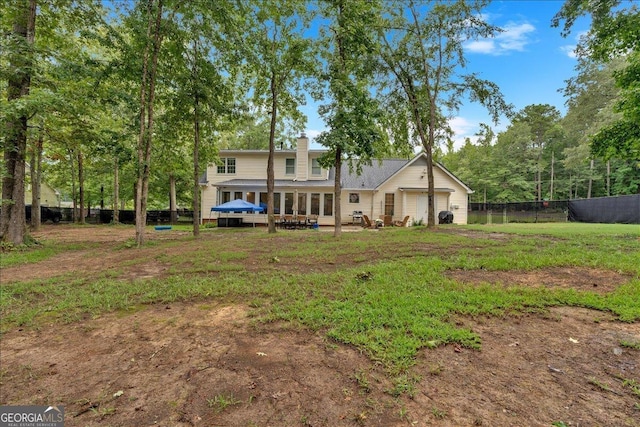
{"points": [[227, 165], [315, 167], [290, 166]]}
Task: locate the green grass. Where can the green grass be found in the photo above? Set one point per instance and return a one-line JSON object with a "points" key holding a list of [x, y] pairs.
{"points": [[39, 252], [386, 293], [221, 402]]}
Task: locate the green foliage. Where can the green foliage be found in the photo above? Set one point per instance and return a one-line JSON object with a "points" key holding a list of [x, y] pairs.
{"points": [[422, 59], [615, 33], [353, 116]]}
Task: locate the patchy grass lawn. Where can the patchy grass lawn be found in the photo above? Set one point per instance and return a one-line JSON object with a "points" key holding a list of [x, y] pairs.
{"points": [[402, 298]]}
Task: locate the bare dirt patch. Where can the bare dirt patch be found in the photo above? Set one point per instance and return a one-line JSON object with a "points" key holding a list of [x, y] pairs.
{"points": [[583, 279], [99, 257], [206, 364]]}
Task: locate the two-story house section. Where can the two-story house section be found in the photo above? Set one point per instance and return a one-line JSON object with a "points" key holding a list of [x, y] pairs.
{"points": [[389, 187]]}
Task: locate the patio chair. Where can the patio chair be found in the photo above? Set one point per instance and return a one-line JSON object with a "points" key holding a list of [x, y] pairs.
{"points": [[402, 223], [386, 220], [287, 222], [366, 222], [301, 222]]}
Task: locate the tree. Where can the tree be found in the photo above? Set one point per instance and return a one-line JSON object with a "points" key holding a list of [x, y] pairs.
{"points": [[591, 98], [614, 33], [422, 50], [251, 132], [21, 62], [152, 43], [201, 102], [353, 116], [474, 164], [279, 57], [543, 121]]}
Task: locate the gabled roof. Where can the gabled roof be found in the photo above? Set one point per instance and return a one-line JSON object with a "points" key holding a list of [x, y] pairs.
{"points": [[374, 175], [371, 176]]}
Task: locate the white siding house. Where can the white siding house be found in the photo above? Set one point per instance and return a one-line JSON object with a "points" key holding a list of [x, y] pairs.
{"points": [[392, 187]]}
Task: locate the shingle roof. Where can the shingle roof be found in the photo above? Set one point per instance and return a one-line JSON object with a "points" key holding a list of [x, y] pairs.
{"points": [[372, 175]]}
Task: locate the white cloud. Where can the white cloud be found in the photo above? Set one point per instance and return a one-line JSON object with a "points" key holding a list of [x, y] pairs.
{"points": [[460, 125], [462, 129], [569, 50], [515, 37], [481, 46]]}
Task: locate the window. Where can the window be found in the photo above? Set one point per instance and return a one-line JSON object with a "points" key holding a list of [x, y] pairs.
{"points": [[354, 197], [302, 203], [227, 165], [276, 202], [328, 204], [251, 197], [389, 199], [315, 167], [226, 197], [315, 203], [237, 195], [288, 203], [290, 166]]}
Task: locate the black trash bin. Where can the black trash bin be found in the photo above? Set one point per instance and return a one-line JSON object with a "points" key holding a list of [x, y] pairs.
{"points": [[445, 217]]}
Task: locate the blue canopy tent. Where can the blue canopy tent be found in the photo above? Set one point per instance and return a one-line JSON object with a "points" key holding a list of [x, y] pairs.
{"points": [[237, 206]]}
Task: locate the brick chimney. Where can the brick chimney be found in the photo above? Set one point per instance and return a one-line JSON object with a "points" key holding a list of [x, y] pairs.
{"points": [[302, 158]]}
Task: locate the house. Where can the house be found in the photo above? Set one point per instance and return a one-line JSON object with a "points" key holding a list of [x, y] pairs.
{"points": [[49, 196], [391, 187]]}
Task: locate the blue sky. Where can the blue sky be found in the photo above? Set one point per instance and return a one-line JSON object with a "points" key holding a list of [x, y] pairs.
{"points": [[529, 61]]}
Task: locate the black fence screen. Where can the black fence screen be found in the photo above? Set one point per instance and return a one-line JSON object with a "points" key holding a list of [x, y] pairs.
{"points": [[105, 216], [502, 213], [620, 209]]}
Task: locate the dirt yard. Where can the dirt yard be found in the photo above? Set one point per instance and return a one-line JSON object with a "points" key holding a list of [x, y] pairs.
{"points": [[205, 364]]}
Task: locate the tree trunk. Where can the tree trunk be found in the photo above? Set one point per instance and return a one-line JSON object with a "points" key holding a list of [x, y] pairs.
{"points": [[173, 203], [337, 188], [270, 171], [427, 141], [81, 219], [431, 194], [196, 167], [539, 183], [116, 190], [608, 178], [551, 178], [13, 227], [590, 180], [337, 191], [147, 95], [74, 190], [36, 182]]}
